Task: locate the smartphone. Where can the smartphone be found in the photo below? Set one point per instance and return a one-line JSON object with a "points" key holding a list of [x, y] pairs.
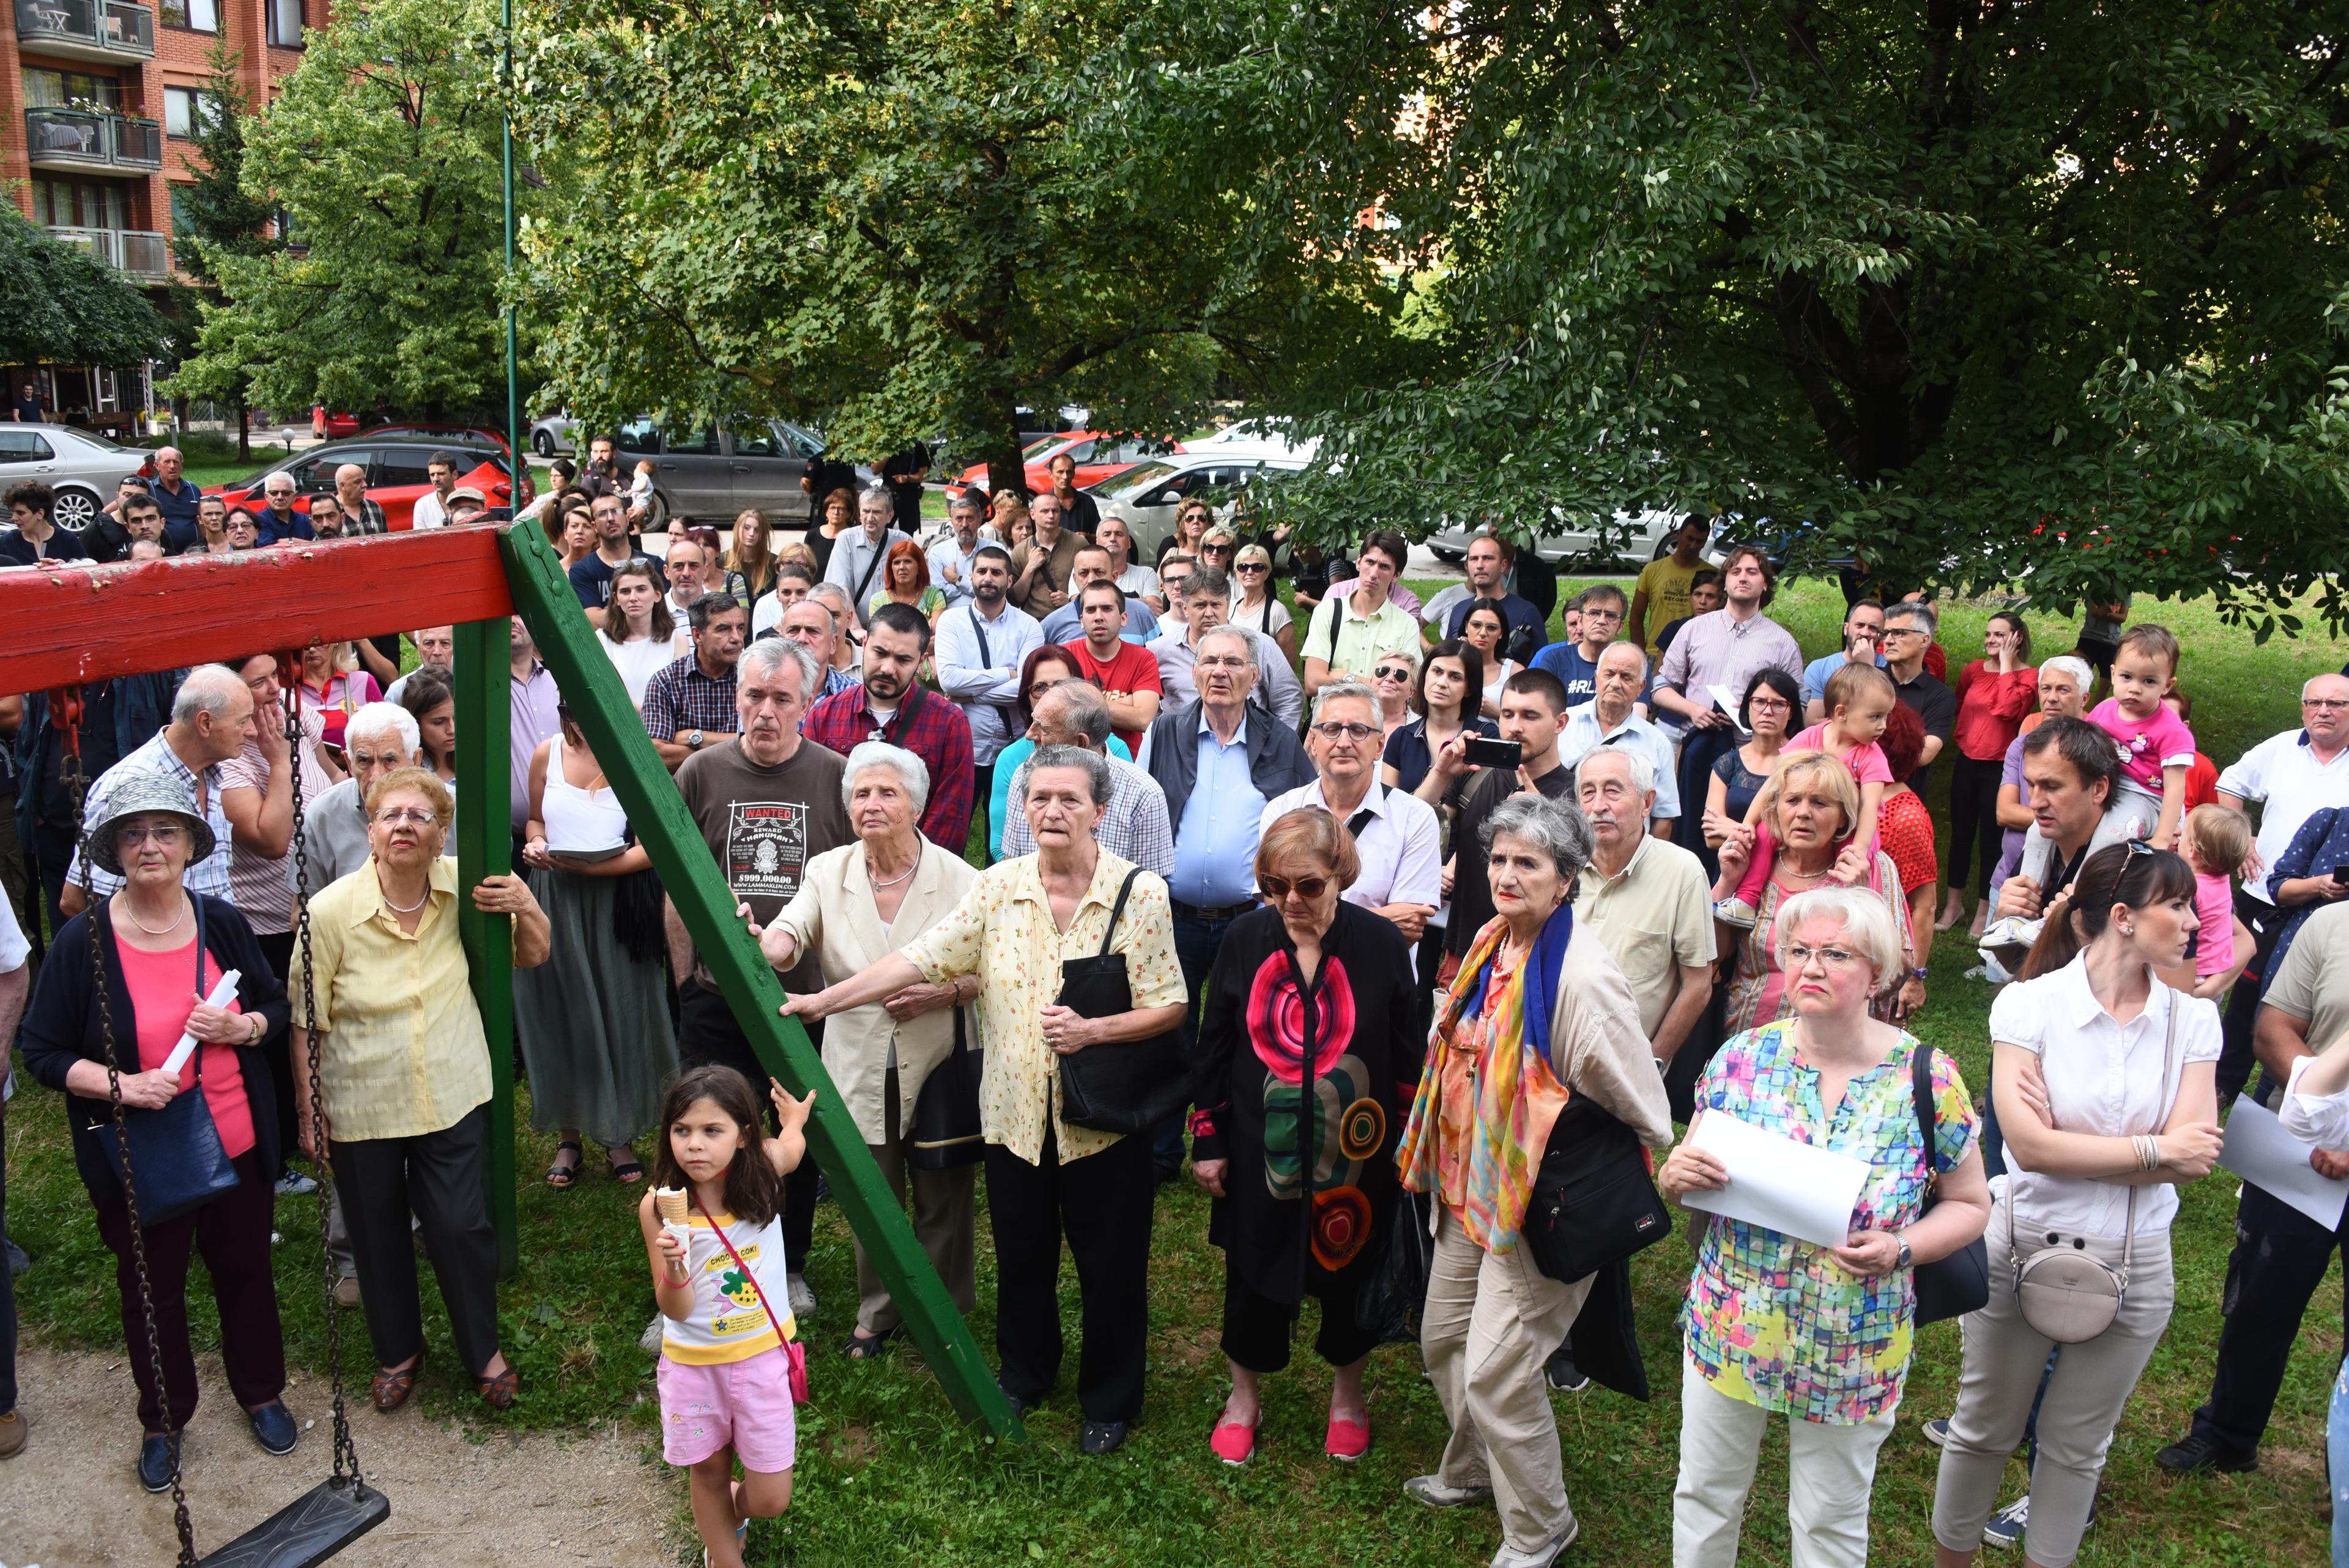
{"points": [[335, 755], [1484, 751], [2340, 873]]}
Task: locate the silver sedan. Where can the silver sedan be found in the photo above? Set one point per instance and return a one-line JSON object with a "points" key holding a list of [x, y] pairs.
{"points": [[84, 470]]}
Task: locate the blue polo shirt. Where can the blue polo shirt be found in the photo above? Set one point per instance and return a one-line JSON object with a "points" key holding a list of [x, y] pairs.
{"points": [[1816, 673], [179, 506], [1565, 660], [1216, 842]]}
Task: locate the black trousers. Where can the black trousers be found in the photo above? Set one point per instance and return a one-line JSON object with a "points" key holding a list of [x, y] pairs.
{"points": [[1973, 821], [436, 1176], [278, 948], [1103, 1204], [1257, 1329], [706, 1033], [7, 1285], [1698, 753], [2236, 1059], [1688, 1064], [231, 1233], [2279, 1259]]}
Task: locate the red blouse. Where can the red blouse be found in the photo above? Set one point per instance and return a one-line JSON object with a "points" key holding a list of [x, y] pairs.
{"points": [[1991, 707]]}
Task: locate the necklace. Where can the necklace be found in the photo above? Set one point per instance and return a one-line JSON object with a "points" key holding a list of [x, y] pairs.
{"points": [[893, 880], [152, 930], [403, 909]]}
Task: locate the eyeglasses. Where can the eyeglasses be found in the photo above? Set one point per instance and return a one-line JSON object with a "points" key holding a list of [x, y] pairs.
{"points": [[1333, 731], [1799, 957], [1042, 687], [163, 837], [1277, 889], [1903, 631], [2326, 704], [398, 814], [1772, 704]]}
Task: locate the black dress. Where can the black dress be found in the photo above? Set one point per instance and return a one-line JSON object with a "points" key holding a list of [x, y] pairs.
{"points": [[1307, 1199]]}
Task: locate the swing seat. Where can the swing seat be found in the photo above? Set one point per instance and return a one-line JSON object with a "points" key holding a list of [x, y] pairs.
{"points": [[308, 1531]]}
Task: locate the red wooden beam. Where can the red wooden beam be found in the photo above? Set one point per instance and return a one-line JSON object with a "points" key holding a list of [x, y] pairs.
{"points": [[59, 625]]}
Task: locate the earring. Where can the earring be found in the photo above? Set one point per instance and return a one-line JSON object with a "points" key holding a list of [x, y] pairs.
{"points": [[2128, 930]]}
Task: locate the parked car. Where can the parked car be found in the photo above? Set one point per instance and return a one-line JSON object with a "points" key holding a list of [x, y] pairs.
{"points": [[552, 436], [1147, 495], [1098, 455], [396, 475], [1641, 537], [84, 470], [709, 473]]}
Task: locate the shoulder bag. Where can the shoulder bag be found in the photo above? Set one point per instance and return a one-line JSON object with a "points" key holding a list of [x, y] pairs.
{"points": [[945, 1130], [1959, 1284], [1594, 1202], [2064, 1292], [174, 1154], [795, 1371], [1123, 1085], [1012, 728]]}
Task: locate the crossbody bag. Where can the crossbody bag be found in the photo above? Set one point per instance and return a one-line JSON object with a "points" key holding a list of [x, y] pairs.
{"points": [[1003, 710], [794, 1353]]}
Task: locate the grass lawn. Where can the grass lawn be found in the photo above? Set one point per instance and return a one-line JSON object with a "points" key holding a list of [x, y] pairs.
{"points": [[887, 1475]]}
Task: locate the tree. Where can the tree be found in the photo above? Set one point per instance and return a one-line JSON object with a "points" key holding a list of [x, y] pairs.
{"points": [[383, 149], [902, 218], [213, 215], [57, 302], [1976, 289]]}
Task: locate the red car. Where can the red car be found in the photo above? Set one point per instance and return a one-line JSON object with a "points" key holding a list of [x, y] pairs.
{"points": [[327, 424], [396, 476], [1099, 455]]}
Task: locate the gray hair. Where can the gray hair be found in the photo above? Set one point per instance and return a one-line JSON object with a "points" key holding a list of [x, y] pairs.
{"points": [[274, 475], [376, 718], [1337, 690], [1241, 635], [1645, 663], [1206, 582], [1556, 827], [1088, 708], [2074, 666], [875, 496], [766, 657], [834, 591], [208, 688], [1867, 925], [1643, 773], [909, 768], [1916, 612], [1095, 766]]}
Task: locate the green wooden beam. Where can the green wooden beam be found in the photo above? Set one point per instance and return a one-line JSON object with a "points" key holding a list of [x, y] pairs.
{"points": [[485, 848], [592, 688]]}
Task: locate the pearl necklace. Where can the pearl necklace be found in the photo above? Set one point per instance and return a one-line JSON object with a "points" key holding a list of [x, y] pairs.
{"points": [[893, 882], [403, 909], [152, 930]]}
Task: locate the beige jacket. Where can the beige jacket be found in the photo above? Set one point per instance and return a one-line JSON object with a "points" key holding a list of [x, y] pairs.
{"points": [[1598, 1046], [834, 918]]}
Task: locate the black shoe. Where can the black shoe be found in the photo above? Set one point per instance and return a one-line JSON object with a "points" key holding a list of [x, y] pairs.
{"points": [[274, 1428], [2195, 1452], [1101, 1438], [1019, 1406], [17, 1261], [1563, 1373], [155, 1462], [1168, 1173]]}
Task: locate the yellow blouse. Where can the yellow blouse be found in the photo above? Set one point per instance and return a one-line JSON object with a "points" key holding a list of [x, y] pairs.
{"points": [[404, 1053], [1002, 931]]}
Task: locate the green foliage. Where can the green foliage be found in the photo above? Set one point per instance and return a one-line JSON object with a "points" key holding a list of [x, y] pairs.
{"points": [[59, 302], [1972, 287], [384, 147], [214, 214], [903, 217]]}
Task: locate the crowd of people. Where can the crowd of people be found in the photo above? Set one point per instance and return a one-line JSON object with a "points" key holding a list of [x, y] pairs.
{"points": [[1390, 918]]}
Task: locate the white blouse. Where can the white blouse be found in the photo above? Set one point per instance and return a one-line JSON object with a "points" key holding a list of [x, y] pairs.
{"points": [[2105, 1079], [638, 662], [2322, 1119]]}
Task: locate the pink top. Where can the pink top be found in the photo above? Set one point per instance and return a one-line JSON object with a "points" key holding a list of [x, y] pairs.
{"points": [[2214, 907], [161, 997], [2147, 746], [1866, 761]]}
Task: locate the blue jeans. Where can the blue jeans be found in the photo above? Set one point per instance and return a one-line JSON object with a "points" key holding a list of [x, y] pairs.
{"points": [[1196, 942], [2337, 1441]]}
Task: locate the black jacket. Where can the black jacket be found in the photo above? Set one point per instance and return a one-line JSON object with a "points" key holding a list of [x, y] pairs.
{"points": [[62, 1027], [1277, 762]]}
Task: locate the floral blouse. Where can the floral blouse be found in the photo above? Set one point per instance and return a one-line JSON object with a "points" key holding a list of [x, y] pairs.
{"points": [[1778, 1323]]}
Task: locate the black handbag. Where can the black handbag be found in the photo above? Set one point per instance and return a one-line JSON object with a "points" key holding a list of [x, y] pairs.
{"points": [[946, 1113], [1393, 1300], [1120, 1087], [177, 1162], [1959, 1283], [1593, 1201]]}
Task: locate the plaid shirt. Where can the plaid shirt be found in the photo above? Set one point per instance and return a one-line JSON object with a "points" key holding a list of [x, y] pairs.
{"points": [[925, 724], [208, 875], [368, 519], [681, 698]]}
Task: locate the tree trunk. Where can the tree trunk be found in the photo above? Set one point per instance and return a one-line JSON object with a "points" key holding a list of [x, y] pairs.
{"points": [[1001, 453], [243, 430]]}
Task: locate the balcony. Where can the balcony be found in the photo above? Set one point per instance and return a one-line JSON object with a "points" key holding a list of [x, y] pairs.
{"points": [[82, 138], [105, 30], [138, 252]]}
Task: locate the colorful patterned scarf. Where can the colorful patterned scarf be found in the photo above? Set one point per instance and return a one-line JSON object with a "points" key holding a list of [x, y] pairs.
{"points": [[1504, 1151]]}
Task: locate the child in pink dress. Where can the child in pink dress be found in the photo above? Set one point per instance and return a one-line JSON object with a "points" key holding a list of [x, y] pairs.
{"points": [[2217, 843], [2156, 748], [1859, 697]]}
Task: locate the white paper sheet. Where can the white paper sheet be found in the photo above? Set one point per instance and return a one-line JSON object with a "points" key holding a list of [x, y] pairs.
{"points": [[1793, 1187], [2258, 1149], [221, 996], [1726, 700]]}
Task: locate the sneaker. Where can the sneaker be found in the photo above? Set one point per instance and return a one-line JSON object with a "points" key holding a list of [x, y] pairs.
{"points": [[1101, 1438], [1436, 1494], [155, 1462], [346, 1292], [293, 1184], [1735, 913], [13, 1428], [1563, 1373], [1937, 1431], [802, 1297], [2006, 1527], [2195, 1452], [17, 1261], [1510, 1557]]}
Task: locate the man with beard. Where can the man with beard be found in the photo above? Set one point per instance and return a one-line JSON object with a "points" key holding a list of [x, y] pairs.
{"points": [[892, 706], [982, 647]]}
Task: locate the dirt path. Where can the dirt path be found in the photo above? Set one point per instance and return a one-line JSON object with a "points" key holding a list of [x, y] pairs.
{"points": [[71, 1501]]}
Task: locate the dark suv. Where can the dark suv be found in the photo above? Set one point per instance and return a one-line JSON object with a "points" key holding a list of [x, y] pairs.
{"points": [[707, 474]]}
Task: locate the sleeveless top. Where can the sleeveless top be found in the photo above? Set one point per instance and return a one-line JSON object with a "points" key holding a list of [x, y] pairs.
{"points": [[728, 1324], [580, 821]]}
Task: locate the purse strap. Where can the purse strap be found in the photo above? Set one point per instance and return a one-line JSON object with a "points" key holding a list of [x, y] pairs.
{"points": [[1118, 908], [749, 1272], [1920, 1088]]}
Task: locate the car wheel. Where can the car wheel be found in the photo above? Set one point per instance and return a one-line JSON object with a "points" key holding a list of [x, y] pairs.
{"points": [[541, 444], [74, 510], [1449, 557], [656, 519]]}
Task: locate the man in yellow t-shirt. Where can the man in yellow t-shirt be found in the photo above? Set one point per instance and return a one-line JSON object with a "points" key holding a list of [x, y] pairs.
{"points": [[1662, 595]]}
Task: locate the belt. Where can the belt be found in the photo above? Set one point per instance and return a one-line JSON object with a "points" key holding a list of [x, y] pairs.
{"points": [[1221, 912]]}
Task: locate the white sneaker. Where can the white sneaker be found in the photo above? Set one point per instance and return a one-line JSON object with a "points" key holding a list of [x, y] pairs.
{"points": [[293, 1184], [1735, 913], [1436, 1494], [802, 1297], [1510, 1557]]}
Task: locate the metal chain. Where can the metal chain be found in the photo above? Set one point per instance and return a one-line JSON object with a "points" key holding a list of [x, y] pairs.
{"points": [[347, 1454], [77, 784]]}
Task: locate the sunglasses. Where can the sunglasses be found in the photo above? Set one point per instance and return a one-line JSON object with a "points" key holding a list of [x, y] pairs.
{"points": [[1214, 549], [1254, 566], [1277, 889], [1391, 672]]}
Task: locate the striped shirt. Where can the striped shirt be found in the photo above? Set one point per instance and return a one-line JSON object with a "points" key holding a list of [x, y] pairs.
{"points": [[208, 875]]}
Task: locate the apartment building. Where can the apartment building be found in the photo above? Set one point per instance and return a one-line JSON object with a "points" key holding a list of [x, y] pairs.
{"points": [[97, 102]]}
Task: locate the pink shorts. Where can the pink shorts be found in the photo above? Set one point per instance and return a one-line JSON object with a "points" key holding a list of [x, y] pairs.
{"points": [[744, 1405]]}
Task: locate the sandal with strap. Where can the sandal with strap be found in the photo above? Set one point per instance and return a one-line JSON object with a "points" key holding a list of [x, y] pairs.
{"points": [[500, 1392], [559, 1176], [391, 1388], [862, 1346], [627, 1172]]}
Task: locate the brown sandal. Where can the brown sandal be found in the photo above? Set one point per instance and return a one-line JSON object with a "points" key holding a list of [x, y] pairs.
{"points": [[391, 1389], [500, 1392]]}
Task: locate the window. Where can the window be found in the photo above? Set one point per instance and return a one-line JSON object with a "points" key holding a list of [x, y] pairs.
{"points": [[23, 446], [285, 24], [72, 89], [178, 209], [403, 466], [80, 204], [187, 111], [702, 442], [757, 440], [639, 435], [196, 15]]}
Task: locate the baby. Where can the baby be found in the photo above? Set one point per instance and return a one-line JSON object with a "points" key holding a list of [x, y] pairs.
{"points": [[2217, 843], [640, 491], [2156, 748], [1859, 697]]}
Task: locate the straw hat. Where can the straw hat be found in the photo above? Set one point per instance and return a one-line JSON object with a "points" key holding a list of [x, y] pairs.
{"points": [[140, 792]]}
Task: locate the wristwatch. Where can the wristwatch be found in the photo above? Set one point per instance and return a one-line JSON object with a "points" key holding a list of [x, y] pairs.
{"points": [[693, 741], [1904, 1259]]}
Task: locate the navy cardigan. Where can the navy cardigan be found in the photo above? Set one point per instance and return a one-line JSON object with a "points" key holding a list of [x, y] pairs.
{"points": [[62, 1027]]}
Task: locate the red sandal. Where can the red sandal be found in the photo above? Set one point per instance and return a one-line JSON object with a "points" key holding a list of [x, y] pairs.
{"points": [[499, 1393], [391, 1388]]}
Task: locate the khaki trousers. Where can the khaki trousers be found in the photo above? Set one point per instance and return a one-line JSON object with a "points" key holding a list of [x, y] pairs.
{"points": [[1490, 1323], [944, 1216], [1830, 1471]]}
